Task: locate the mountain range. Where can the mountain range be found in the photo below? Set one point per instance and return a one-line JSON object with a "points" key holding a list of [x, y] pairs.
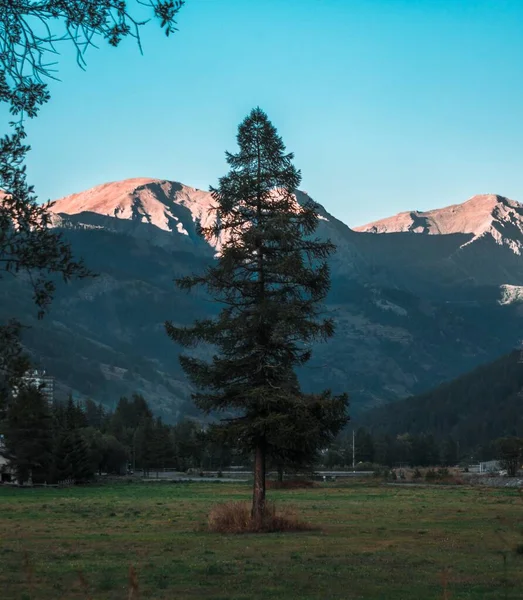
{"points": [[418, 298]]}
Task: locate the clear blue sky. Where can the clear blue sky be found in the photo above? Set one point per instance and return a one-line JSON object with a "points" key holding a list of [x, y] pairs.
{"points": [[388, 105]]}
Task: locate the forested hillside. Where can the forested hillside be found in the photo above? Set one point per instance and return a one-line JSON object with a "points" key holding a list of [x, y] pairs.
{"points": [[473, 409]]}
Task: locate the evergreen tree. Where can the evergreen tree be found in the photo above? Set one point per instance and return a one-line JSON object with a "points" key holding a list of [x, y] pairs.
{"points": [[143, 443], [27, 243], [83, 469], [115, 455], [63, 467], [218, 455], [28, 435], [74, 415], [271, 276], [72, 455], [424, 451], [13, 362], [403, 449], [189, 442], [94, 414], [129, 414], [162, 450], [364, 446], [384, 452], [124, 424], [310, 425]]}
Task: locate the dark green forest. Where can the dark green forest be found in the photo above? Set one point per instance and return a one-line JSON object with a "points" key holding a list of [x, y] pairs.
{"points": [[73, 442], [472, 410], [460, 422]]}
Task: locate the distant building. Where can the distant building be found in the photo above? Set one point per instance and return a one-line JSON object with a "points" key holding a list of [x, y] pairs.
{"points": [[490, 466], [39, 379]]}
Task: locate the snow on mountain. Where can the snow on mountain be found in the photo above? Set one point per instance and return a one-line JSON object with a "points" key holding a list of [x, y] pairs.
{"points": [[482, 215], [511, 294]]}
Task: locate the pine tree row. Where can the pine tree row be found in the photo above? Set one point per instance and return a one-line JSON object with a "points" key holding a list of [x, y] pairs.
{"points": [[73, 442]]}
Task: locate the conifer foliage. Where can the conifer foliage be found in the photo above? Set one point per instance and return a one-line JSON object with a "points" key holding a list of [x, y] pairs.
{"points": [[271, 277], [28, 435], [30, 35]]}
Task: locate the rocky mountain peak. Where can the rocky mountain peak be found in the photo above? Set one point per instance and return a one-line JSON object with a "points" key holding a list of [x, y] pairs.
{"points": [[168, 205], [484, 214]]}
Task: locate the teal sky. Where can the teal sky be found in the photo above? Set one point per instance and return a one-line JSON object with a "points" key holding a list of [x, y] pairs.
{"points": [[388, 105]]}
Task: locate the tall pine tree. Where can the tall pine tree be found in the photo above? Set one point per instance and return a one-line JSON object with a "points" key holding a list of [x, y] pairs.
{"points": [[271, 276], [28, 435]]}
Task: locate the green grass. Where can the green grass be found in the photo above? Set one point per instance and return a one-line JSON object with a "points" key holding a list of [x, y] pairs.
{"points": [[371, 541]]}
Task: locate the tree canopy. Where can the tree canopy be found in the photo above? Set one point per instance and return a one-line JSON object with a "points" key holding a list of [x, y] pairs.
{"points": [[271, 277], [32, 34]]}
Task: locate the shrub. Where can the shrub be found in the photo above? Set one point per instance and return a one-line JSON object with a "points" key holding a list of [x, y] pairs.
{"points": [[416, 474], [442, 473], [235, 517], [430, 475]]}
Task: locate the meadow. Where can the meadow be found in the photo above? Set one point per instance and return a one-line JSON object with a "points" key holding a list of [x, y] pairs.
{"points": [[369, 541]]}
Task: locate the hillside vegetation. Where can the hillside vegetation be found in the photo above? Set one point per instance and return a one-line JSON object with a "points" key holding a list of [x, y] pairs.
{"points": [[473, 409]]}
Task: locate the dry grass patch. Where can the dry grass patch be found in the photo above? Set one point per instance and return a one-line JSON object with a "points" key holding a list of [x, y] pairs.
{"points": [[235, 517]]}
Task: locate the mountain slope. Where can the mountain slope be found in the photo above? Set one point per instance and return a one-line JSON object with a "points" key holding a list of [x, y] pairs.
{"points": [[407, 317], [488, 213], [168, 206], [473, 409], [477, 243]]}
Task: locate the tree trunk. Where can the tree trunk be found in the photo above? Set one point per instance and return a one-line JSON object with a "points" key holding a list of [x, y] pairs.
{"points": [[258, 497], [280, 473]]}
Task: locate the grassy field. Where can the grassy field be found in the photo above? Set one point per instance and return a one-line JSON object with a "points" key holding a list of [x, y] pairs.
{"points": [[372, 541]]}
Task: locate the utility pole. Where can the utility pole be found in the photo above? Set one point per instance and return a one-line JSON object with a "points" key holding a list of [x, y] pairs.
{"points": [[134, 452], [353, 452]]}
